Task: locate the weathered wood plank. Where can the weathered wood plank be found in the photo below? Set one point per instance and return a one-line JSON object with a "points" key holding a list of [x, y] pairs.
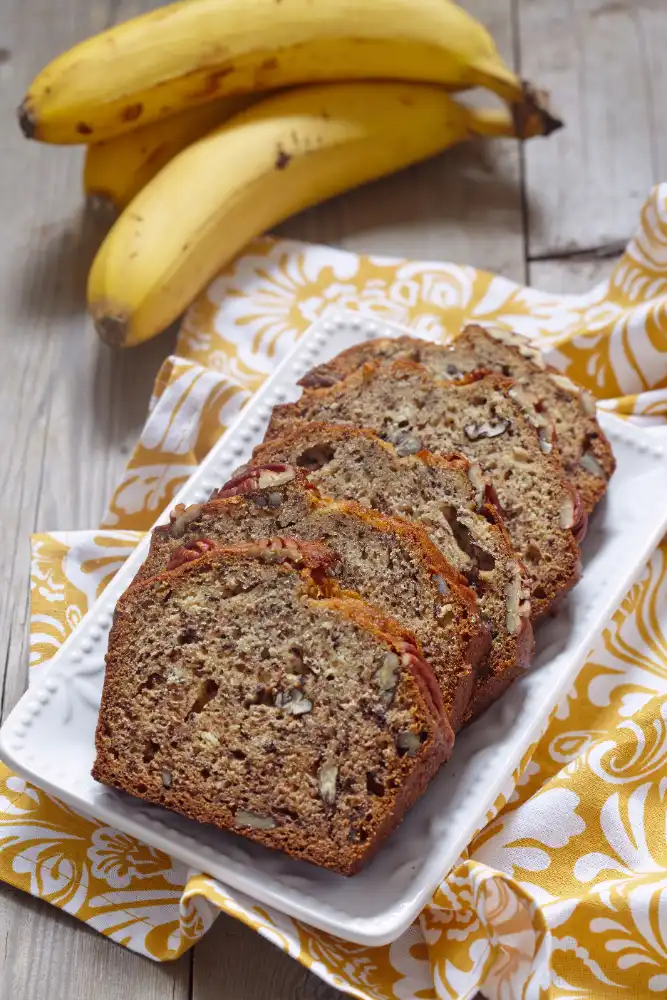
{"points": [[70, 410], [464, 205], [570, 276], [233, 961], [602, 61], [49, 955]]}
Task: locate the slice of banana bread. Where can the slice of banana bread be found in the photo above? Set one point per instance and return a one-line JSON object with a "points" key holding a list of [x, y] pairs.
{"points": [[586, 453], [486, 418], [240, 692], [388, 562], [451, 499]]}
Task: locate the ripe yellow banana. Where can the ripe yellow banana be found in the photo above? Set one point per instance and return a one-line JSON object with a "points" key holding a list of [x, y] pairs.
{"points": [[189, 53], [285, 153], [117, 169]]}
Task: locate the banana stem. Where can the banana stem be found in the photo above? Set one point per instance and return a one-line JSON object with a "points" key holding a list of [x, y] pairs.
{"points": [[532, 115], [523, 121], [530, 106], [491, 122]]}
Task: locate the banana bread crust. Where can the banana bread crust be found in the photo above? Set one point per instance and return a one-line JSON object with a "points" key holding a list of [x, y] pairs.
{"points": [[179, 767]]}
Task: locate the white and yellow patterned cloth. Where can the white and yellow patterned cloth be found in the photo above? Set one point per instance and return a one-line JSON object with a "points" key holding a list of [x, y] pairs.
{"points": [[564, 892]]}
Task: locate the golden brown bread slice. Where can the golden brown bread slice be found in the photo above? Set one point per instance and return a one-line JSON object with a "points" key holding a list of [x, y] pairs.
{"points": [[451, 500], [586, 453], [244, 689], [486, 418], [388, 562]]}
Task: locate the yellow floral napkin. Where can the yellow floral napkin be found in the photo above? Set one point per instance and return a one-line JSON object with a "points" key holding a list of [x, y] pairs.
{"points": [[564, 892]]}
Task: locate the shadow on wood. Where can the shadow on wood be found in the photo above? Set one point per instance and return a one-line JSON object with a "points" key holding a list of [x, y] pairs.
{"points": [[453, 207], [234, 961], [52, 282], [74, 961], [122, 381]]}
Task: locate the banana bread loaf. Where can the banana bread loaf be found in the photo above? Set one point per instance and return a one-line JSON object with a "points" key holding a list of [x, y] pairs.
{"points": [[452, 501], [244, 689], [486, 418], [586, 453], [388, 562]]}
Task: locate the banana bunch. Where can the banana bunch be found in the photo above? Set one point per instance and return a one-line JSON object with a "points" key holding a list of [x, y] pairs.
{"points": [[284, 154], [183, 141]]}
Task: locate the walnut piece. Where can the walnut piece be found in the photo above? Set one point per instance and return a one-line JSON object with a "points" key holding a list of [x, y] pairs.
{"points": [[326, 781], [590, 463], [518, 598], [208, 737], [409, 445], [408, 742], [181, 516], [387, 677], [273, 477], [545, 431], [487, 429], [524, 347], [245, 818], [563, 382], [478, 480], [567, 514], [294, 702], [589, 403], [189, 552], [251, 479]]}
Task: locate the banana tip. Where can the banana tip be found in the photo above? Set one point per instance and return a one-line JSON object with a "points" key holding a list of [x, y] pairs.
{"points": [[533, 115], [27, 120], [113, 329]]}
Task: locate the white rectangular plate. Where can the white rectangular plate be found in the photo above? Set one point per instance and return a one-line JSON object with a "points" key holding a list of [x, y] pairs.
{"points": [[49, 737]]}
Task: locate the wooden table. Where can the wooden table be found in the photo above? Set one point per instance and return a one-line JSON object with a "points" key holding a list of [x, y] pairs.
{"points": [[554, 213]]}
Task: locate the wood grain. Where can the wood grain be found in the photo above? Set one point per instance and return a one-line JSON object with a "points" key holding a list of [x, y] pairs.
{"points": [[49, 954], [70, 410], [235, 959], [570, 277], [603, 62]]}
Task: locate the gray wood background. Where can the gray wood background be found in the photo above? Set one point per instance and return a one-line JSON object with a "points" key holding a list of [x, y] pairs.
{"points": [[554, 213]]}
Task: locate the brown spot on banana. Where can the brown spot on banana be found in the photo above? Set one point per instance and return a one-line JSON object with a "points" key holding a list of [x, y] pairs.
{"points": [[131, 112], [212, 82], [282, 158], [83, 129]]}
